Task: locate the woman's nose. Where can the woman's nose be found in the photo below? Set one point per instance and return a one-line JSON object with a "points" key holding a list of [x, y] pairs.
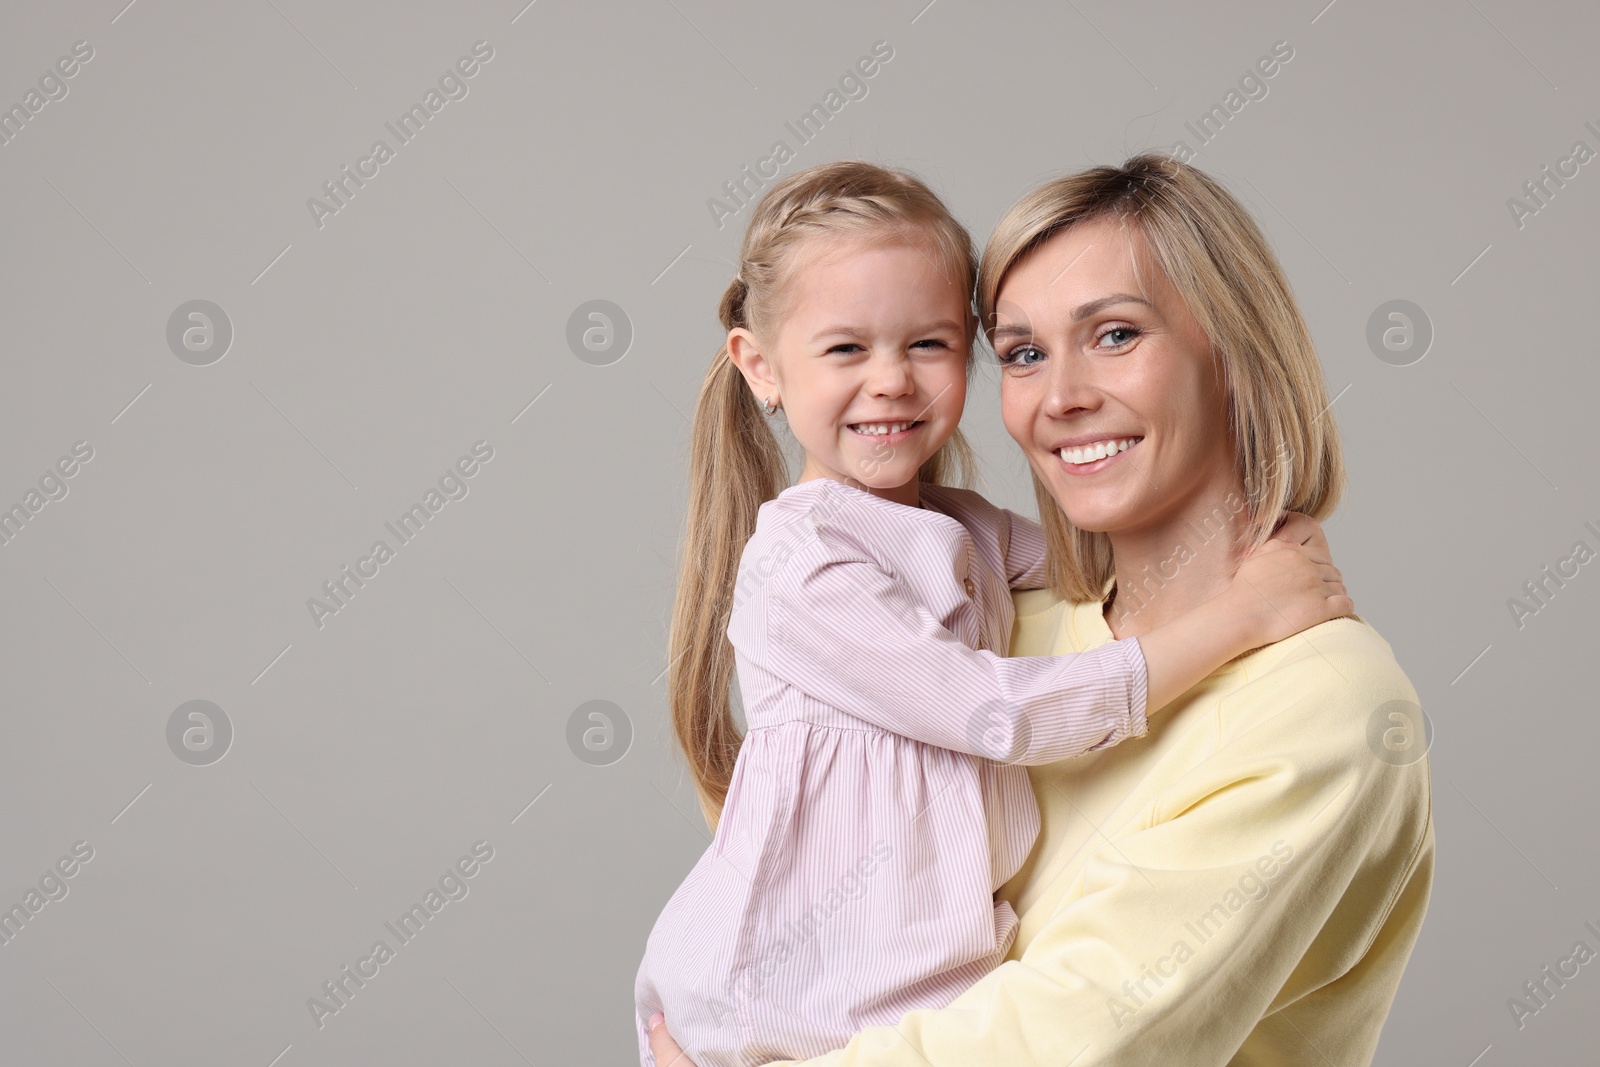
{"points": [[1071, 389]]}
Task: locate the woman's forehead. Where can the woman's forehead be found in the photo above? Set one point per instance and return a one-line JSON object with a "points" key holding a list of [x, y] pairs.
{"points": [[1084, 249], [1080, 269]]}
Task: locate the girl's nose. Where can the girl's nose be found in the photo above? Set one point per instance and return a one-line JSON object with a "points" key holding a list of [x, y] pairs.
{"points": [[891, 378]]}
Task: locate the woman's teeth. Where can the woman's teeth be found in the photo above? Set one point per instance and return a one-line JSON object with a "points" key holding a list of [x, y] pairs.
{"points": [[878, 429], [1098, 450]]}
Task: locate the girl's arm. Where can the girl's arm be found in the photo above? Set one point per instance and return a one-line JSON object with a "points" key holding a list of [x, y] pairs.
{"points": [[855, 638], [1269, 599], [1287, 585], [1023, 549], [851, 636]]}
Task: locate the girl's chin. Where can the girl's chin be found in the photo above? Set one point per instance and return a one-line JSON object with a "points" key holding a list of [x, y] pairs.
{"points": [[889, 484], [884, 474]]}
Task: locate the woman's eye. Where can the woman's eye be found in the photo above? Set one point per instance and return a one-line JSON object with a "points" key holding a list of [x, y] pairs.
{"points": [[1022, 355], [1120, 335]]}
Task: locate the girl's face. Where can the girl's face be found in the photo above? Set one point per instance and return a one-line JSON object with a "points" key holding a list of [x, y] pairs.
{"points": [[1108, 383], [869, 361]]}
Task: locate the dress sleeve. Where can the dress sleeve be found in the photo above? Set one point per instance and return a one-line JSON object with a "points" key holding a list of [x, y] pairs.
{"points": [[646, 1057], [848, 634], [1188, 929], [1022, 543]]}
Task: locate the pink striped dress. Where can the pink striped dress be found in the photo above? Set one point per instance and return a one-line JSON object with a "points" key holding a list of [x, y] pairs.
{"points": [[879, 797]]}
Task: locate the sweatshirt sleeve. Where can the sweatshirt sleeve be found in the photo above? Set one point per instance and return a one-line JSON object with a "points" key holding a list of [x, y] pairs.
{"points": [[1022, 542], [848, 634], [1198, 921]]}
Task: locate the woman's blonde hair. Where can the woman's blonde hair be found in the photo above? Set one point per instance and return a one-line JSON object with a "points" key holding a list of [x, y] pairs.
{"points": [[735, 462], [1220, 264]]}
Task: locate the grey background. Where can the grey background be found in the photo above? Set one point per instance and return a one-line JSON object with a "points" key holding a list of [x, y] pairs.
{"points": [[430, 313]]}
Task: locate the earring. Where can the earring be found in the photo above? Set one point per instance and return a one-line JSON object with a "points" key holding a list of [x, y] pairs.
{"points": [[768, 407]]}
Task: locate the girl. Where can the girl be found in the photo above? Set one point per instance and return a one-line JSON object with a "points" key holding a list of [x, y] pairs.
{"points": [[878, 798]]}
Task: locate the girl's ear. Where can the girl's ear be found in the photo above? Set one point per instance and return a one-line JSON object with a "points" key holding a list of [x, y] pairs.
{"points": [[758, 370]]}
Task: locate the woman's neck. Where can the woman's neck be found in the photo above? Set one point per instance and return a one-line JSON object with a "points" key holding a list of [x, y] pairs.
{"points": [[1177, 564]]}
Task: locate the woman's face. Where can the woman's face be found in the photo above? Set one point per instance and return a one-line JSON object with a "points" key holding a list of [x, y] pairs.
{"points": [[1108, 384]]}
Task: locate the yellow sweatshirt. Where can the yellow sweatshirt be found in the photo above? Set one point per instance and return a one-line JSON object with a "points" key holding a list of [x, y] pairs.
{"points": [[1242, 885]]}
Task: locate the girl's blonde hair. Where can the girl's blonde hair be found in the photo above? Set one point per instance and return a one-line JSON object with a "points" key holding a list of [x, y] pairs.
{"points": [[1221, 265], [735, 462]]}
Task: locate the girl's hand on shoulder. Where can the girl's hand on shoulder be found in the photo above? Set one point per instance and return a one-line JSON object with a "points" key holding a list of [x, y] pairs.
{"points": [[1289, 584], [1304, 530], [663, 1048]]}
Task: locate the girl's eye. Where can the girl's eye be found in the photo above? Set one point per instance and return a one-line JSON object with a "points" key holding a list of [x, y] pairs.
{"points": [[847, 346], [1120, 335], [932, 341], [1022, 355]]}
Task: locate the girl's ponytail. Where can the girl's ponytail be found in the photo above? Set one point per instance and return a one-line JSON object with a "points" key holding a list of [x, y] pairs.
{"points": [[735, 467], [735, 463]]}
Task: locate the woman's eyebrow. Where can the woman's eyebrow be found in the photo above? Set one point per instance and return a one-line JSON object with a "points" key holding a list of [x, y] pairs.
{"points": [[1083, 311], [1008, 330]]}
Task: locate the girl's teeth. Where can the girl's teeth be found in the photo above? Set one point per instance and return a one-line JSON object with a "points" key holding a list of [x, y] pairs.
{"points": [[878, 429], [1098, 450]]}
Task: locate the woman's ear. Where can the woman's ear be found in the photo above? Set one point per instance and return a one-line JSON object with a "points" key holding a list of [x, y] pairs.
{"points": [[758, 369]]}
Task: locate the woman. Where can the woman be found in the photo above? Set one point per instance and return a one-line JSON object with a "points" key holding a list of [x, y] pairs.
{"points": [[1244, 884]]}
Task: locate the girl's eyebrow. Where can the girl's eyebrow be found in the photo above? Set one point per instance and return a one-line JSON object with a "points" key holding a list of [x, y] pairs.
{"points": [[856, 331]]}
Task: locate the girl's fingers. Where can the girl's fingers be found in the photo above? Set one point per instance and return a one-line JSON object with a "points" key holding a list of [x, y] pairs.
{"points": [[1302, 529], [1296, 527], [663, 1048]]}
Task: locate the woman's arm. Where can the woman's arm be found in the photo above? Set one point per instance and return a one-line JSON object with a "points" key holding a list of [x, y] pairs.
{"points": [[1271, 893]]}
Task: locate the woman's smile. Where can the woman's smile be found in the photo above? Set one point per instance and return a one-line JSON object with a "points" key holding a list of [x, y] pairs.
{"points": [[1090, 457]]}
